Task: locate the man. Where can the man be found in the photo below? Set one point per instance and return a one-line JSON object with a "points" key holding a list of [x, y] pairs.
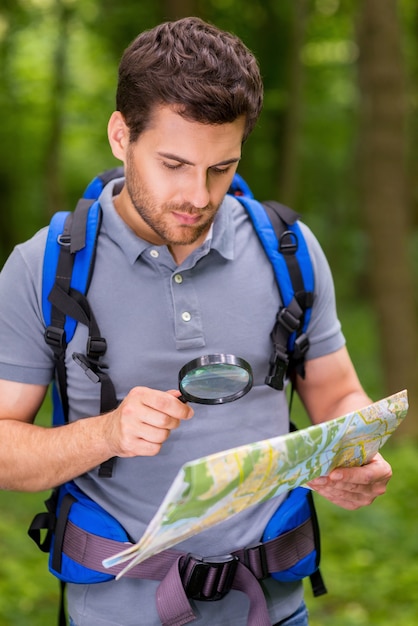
{"points": [[179, 272]]}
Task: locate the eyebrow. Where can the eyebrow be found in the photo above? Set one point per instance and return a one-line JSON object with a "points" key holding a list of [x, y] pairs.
{"points": [[174, 157]]}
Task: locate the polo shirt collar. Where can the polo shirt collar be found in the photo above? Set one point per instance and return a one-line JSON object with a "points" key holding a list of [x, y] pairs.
{"points": [[220, 236]]}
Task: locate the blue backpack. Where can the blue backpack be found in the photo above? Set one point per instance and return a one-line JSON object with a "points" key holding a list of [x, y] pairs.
{"points": [[68, 267]]}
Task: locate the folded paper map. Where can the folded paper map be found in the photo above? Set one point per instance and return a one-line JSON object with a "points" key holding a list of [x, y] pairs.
{"points": [[210, 489]]}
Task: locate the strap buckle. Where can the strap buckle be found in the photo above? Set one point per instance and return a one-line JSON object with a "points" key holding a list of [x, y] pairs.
{"points": [[55, 337], [208, 578], [87, 366], [96, 347], [301, 346], [288, 320], [277, 370]]}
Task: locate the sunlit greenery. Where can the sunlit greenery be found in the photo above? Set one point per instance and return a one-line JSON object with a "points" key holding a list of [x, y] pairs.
{"points": [[370, 559], [370, 556]]}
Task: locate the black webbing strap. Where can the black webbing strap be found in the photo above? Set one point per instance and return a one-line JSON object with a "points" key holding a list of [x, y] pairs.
{"points": [[66, 505], [60, 527], [45, 521], [74, 304], [62, 617], [67, 301], [290, 318], [55, 333], [280, 214], [71, 241], [108, 175], [317, 582], [79, 225]]}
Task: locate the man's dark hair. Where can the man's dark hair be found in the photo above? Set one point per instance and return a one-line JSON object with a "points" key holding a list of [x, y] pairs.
{"points": [[209, 75]]}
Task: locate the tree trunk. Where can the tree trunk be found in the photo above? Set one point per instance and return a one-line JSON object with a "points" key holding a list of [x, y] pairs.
{"points": [[384, 196], [54, 195], [8, 177], [289, 158]]}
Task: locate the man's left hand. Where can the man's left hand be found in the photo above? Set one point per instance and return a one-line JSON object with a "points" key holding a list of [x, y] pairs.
{"points": [[354, 487]]}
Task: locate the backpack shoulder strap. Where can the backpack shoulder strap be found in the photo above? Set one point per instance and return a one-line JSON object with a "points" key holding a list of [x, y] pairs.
{"points": [[292, 246], [282, 238], [68, 265], [70, 248], [95, 187], [68, 261]]}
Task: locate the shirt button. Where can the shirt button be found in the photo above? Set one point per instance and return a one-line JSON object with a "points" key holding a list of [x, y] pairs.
{"points": [[186, 317], [155, 254], [178, 278]]}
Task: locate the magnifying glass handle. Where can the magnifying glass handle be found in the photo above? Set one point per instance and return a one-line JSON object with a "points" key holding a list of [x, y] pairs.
{"points": [[182, 399]]}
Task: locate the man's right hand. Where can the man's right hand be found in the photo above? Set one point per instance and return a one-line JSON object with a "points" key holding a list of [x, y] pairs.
{"points": [[143, 421], [35, 458]]}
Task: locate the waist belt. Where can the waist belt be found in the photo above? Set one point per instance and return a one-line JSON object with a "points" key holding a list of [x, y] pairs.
{"points": [[187, 576]]}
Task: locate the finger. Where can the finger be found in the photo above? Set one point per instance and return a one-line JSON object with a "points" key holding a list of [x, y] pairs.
{"points": [[176, 393], [153, 434], [350, 499], [375, 474], [347, 493], [142, 439], [166, 402]]}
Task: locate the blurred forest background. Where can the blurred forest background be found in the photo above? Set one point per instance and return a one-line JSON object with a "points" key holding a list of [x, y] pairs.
{"points": [[336, 141]]}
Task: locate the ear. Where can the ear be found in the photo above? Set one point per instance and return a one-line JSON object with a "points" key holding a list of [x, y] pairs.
{"points": [[118, 134]]}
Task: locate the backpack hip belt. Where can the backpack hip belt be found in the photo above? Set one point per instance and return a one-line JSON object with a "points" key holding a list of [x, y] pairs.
{"points": [[185, 576]]}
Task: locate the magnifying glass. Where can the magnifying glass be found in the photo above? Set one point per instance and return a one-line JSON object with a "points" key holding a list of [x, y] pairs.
{"points": [[215, 379]]}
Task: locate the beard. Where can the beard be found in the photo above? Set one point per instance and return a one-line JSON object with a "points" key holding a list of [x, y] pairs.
{"points": [[159, 217]]}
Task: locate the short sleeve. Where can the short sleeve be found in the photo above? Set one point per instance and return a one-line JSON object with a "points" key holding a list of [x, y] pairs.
{"points": [[24, 355], [324, 330]]}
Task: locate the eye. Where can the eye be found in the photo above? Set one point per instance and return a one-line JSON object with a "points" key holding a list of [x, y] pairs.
{"points": [[220, 170], [172, 166]]}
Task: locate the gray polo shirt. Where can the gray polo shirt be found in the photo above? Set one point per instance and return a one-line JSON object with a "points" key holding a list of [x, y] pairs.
{"points": [[156, 316]]}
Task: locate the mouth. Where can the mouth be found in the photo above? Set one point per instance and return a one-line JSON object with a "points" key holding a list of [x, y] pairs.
{"points": [[186, 218]]}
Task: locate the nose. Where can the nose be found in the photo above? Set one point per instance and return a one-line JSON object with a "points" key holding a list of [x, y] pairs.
{"points": [[198, 193]]}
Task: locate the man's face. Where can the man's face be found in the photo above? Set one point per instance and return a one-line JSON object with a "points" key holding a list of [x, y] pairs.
{"points": [[177, 173]]}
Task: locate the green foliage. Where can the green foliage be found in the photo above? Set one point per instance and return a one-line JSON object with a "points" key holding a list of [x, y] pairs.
{"points": [[28, 593], [326, 146], [370, 556]]}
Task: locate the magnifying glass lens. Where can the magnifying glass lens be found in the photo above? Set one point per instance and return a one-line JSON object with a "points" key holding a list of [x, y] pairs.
{"points": [[215, 379]]}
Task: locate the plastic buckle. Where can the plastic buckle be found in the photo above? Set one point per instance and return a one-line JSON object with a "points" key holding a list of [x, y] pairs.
{"points": [[277, 372], [55, 337], [301, 346], [96, 347], [279, 363], [86, 366], [208, 578], [289, 321]]}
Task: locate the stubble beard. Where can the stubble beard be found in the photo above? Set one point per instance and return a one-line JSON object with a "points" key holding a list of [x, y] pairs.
{"points": [[157, 217]]}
